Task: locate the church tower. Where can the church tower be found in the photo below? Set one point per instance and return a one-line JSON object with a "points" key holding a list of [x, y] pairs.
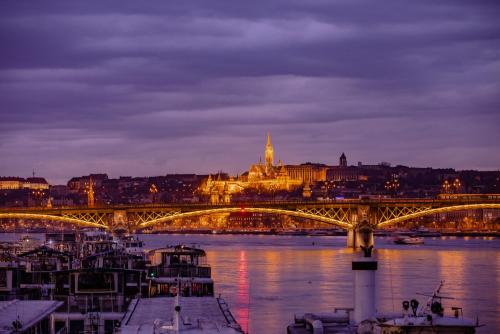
{"points": [[343, 160], [269, 152]]}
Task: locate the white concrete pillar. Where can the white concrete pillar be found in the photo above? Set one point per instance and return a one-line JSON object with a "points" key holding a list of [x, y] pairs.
{"points": [[364, 289]]}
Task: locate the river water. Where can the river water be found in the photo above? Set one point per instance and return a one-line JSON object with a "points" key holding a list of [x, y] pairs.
{"points": [[266, 279]]}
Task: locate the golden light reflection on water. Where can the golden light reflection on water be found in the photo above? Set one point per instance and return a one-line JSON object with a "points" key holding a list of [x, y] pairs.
{"points": [[451, 266], [243, 296], [272, 274]]}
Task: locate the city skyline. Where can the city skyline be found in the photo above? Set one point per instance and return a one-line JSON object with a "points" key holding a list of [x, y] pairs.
{"points": [[194, 88], [334, 162], [35, 176]]}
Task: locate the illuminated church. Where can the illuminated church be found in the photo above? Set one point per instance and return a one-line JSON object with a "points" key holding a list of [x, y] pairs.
{"points": [[264, 177]]}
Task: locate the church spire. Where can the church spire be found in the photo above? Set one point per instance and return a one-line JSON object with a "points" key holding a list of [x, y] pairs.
{"points": [[269, 152]]}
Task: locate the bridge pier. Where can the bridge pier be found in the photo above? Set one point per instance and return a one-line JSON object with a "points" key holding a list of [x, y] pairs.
{"points": [[360, 236]]}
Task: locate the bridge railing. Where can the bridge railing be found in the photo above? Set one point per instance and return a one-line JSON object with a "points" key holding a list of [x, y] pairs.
{"points": [[456, 198]]}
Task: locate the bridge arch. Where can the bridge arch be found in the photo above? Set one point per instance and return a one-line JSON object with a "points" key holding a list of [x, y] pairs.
{"points": [[435, 211], [38, 216], [204, 212]]}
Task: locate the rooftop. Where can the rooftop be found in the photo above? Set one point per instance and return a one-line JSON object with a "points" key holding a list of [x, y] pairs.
{"points": [[28, 312]]}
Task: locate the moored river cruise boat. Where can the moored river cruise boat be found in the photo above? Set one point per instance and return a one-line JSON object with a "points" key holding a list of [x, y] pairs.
{"points": [[180, 297]]}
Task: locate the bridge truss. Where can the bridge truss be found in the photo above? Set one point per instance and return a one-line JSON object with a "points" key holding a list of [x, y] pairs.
{"points": [[344, 214]]}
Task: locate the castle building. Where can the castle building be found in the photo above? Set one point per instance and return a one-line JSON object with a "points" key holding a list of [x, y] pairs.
{"points": [[342, 172], [264, 177], [16, 183], [268, 177], [308, 172]]}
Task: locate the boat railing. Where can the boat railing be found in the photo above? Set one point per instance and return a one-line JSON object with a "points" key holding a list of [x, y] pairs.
{"points": [[92, 303], [201, 272], [63, 330], [43, 267]]}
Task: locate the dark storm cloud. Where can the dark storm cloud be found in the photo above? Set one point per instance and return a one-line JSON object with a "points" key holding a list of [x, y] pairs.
{"points": [[128, 88]]}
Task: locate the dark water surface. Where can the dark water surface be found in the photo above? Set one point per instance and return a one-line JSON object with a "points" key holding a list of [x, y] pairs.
{"points": [[266, 279]]}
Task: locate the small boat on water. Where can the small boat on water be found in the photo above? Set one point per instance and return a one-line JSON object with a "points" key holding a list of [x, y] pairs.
{"points": [[292, 232], [408, 240], [429, 318], [425, 232], [324, 232]]}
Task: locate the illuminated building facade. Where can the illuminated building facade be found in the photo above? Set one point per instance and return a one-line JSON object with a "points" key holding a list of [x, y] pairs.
{"points": [[343, 172], [16, 183], [262, 177], [308, 172]]}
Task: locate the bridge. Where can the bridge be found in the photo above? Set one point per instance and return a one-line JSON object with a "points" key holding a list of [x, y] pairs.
{"points": [[358, 216]]}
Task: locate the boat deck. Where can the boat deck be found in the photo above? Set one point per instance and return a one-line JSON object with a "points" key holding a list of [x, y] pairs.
{"points": [[198, 315]]}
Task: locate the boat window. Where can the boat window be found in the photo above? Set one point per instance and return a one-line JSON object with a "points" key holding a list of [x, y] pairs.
{"points": [[76, 326], [174, 259], [3, 278], [96, 282], [109, 326]]}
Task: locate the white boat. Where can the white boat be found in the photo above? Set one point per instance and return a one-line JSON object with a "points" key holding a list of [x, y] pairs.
{"points": [[425, 232], [428, 319], [292, 232], [408, 240], [26, 243], [325, 232], [132, 245]]}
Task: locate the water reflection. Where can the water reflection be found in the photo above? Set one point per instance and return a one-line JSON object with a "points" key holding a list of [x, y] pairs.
{"points": [[243, 296]]}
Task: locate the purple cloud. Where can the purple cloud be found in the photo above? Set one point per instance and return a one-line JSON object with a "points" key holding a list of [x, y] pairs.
{"points": [[128, 89]]}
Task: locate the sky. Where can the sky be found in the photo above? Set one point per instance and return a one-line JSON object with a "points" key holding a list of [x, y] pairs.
{"points": [[151, 88]]}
